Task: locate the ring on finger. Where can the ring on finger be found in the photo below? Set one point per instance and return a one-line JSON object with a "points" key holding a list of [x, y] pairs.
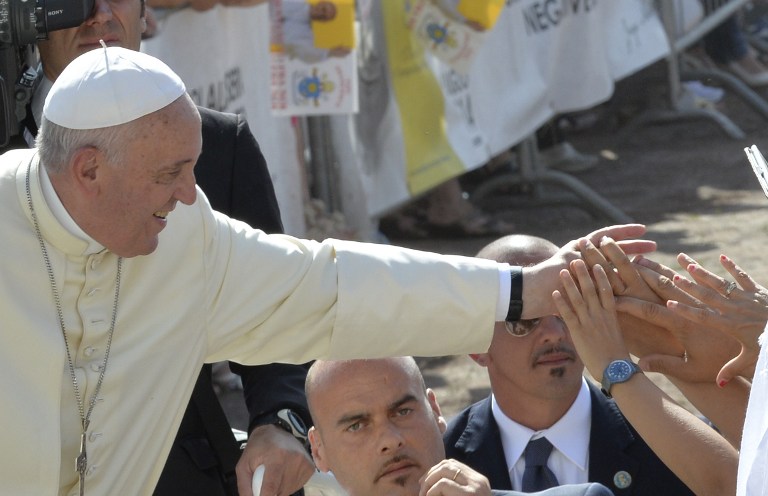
{"points": [[458, 471], [729, 289]]}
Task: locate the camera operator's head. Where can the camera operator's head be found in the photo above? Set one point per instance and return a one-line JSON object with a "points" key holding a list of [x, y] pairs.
{"points": [[117, 22]]}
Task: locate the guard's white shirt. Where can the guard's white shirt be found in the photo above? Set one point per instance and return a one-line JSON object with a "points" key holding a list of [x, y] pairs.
{"points": [[569, 436]]}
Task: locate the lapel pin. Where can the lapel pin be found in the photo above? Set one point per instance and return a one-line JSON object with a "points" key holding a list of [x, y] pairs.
{"points": [[622, 479]]}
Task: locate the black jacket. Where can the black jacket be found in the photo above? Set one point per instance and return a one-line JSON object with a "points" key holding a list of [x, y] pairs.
{"points": [[233, 174], [614, 446]]}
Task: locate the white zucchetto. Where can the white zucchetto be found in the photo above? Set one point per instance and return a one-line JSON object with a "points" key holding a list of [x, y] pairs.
{"points": [[110, 86]]}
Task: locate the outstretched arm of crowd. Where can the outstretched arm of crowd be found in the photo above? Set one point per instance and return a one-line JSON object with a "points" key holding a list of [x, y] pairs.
{"points": [[690, 354], [662, 339], [540, 280], [696, 453], [739, 309]]}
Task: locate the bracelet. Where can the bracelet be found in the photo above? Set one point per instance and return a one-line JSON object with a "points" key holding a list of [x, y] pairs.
{"points": [[515, 294]]}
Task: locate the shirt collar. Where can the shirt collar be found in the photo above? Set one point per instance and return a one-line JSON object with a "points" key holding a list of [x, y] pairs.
{"points": [[569, 435], [61, 214]]}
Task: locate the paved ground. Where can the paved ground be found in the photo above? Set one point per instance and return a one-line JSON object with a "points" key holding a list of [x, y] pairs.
{"points": [[687, 181]]}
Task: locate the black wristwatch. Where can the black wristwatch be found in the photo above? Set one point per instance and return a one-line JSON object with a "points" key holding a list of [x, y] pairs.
{"points": [[616, 372], [515, 310], [291, 422]]}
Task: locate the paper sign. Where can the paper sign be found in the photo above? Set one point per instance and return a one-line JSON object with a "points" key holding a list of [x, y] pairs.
{"points": [[312, 61]]}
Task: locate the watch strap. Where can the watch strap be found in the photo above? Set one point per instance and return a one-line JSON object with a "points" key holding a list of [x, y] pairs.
{"points": [[515, 310]]}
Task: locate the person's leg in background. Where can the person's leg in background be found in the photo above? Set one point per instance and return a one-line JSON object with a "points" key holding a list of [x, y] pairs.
{"points": [[727, 46], [555, 152]]}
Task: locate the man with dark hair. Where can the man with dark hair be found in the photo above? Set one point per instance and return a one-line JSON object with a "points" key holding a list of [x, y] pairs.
{"points": [[539, 395]]}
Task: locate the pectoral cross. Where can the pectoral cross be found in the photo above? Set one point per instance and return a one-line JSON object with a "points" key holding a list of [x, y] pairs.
{"points": [[81, 463]]}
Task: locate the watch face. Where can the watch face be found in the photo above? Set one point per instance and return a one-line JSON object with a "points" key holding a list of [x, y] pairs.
{"points": [[292, 422], [619, 371]]}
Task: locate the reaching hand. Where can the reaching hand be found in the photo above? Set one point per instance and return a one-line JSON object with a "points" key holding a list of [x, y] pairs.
{"points": [[741, 312], [287, 464], [537, 296], [590, 314], [629, 279], [451, 477], [705, 350], [685, 350]]}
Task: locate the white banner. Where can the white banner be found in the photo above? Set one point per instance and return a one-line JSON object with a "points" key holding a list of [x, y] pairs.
{"points": [[542, 58]]}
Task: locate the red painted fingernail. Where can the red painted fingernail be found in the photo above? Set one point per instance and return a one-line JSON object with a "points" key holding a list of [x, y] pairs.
{"points": [[722, 383]]}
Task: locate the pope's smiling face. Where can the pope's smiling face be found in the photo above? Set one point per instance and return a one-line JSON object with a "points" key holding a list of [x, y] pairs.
{"points": [[157, 171]]}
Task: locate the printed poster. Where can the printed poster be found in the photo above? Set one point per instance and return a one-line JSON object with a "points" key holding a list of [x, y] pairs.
{"points": [[313, 69], [453, 30]]}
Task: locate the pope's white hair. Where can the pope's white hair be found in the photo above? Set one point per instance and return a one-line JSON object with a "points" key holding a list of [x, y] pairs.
{"points": [[57, 144]]}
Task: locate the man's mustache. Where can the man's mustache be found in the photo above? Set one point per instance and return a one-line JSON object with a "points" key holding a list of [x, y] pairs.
{"points": [[558, 348]]}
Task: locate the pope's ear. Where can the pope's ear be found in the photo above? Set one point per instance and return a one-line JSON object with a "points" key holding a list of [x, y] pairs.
{"points": [[85, 167]]}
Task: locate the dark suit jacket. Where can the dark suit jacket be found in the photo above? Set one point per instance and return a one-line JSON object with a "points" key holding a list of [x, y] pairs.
{"points": [[614, 446], [233, 174]]}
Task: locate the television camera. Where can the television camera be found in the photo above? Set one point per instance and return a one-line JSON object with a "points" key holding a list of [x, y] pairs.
{"points": [[22, 23]]}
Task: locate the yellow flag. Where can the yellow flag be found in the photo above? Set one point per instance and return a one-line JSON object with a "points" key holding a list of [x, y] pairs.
{"points": [[430, 159]]}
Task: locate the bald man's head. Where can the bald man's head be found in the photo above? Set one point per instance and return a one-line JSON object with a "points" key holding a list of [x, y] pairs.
{"points": [[376, 425]]}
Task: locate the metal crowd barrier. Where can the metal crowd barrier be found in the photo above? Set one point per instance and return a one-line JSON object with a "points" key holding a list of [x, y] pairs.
{"points": [[681, 67], [532, 177]]}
